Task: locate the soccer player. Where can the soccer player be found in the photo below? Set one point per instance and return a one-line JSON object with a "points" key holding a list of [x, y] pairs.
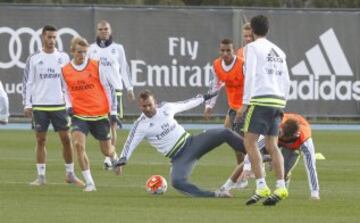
{"points": [[265, 91], [247, 37], [294, 138], [110, 53], [87, 85], [4, 106], [158, 125], [227, 72], [43, 99]]}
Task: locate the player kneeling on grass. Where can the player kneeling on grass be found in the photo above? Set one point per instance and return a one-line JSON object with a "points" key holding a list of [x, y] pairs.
{"points": [[158, 125]]}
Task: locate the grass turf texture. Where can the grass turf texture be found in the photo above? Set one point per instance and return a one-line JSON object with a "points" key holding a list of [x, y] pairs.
{"points": [[123, 199]]}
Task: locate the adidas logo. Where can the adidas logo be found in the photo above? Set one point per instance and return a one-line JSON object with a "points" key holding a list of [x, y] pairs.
{"points": [[325, 74]]}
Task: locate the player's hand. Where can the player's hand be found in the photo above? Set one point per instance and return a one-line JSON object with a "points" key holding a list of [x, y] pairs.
{"points": [[237, 125], [28, 112], [130, 95], [210, 95], [240, 113], [207, 113], [70, 111]]}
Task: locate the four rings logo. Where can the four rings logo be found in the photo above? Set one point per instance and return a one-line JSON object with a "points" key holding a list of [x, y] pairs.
{"points": [[15, 44]]}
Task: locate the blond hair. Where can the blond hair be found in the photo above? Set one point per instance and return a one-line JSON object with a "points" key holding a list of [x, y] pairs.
{"points": [[246, 26], [103, 22], [78, 40]]}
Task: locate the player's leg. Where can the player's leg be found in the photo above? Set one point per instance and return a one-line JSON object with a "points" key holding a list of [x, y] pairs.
{"points": [[101, 131], [182, 165], [227, 122], [262, 190], [207, 141], [291, 159], [308, 150], [237, 172], [254, 126], [40, 124], [232, 180], [108, 149], [115, 123], [113, 129], [61, 124], [213, 138], [79, 131], [271, 140]]}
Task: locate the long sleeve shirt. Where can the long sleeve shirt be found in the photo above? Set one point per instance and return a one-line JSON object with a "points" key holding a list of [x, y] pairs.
{"points": [[162, 131], [266, 74], [4, 105], [113, 55], [41, 81]]}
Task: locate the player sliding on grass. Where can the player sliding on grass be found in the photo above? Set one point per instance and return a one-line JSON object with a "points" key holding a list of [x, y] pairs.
{"points": [[158, 126]]}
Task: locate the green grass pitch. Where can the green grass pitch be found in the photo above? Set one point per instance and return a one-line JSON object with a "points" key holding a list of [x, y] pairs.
{"points": [[123, 199]]}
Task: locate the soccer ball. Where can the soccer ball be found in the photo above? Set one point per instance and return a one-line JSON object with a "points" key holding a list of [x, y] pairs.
{"points": [[156, 184]]}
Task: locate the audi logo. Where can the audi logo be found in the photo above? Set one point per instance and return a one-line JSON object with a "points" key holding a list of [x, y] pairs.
{"points": [[15, 45]]}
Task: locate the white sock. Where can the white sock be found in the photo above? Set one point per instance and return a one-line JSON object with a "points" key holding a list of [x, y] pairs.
{"points": [[87, 176], [280, 183], [115, 157], [69, 168], [260, 183], [41, 168], [228, 184]]}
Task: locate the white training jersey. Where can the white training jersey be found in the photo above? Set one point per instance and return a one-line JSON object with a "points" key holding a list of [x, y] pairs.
{"points": [[113, 55], [162, 130], [266, 72], [41, 80], [4, 105]]}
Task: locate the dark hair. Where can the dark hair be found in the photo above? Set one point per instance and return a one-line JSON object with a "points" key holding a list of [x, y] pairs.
{"points": [[260, 25], [290, 127], [50, 28], [145, 94], [226, 41]]}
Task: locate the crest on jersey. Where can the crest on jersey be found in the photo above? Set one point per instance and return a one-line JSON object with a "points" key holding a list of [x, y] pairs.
{"points": [[60, 61], [151, 124], [113, 51], [165, 113]]}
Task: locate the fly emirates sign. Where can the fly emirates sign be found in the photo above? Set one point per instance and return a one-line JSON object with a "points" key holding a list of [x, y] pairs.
{"points": [[173, 74]]}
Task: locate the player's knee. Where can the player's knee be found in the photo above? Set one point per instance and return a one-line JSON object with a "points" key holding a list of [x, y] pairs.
{"points": [[41, 141], [78, 145], [226, 133]]}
